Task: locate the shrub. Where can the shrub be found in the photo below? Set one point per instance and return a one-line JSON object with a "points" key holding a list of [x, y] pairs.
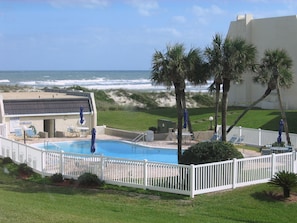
{"points": [[89, 179], [24, 169], [152, 128], [6, 160], [278, 144], [57, 178], [285, 180], [207, 152]]}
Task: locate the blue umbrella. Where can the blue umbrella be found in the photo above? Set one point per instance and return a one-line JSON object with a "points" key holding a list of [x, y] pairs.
{"points": [[186, 118], [93, 140], [81, 115], [280, 131]]}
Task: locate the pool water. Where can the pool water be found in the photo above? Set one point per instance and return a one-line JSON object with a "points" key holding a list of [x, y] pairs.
{"points": [[114, 148]]}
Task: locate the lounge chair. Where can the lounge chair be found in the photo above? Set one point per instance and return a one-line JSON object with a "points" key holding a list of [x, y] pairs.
{"points": [[72, 131], [234, 139], [18, 133], [30, 133]]}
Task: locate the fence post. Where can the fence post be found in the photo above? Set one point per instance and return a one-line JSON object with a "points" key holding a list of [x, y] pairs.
{"points": [[235, 171], [42, 162], [102, 167], [272, 164], [294, 161], [61, 162], [145, 174], [192, 181], [260, 138], [240, 132]]}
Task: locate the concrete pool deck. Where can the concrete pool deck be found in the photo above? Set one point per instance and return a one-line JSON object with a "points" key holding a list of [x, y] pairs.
{"points": [[172, 144]]}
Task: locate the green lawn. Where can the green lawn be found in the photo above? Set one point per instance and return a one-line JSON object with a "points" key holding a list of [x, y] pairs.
{"points": [[143, 119], [27, 202]]}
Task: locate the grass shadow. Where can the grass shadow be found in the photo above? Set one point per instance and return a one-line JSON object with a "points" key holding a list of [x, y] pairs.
{"points": [[268, 196]]}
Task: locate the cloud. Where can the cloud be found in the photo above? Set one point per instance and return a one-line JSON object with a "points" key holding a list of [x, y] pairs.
{"points": [[179, 19], [213, 10], [204, 14], [83, 3], [144, 8], [167, 31]]}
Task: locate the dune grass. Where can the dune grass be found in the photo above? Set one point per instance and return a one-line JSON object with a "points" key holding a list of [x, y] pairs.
{"points": [[27, 202]]}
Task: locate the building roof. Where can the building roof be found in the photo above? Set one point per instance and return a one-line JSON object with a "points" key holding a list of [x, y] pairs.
{"points": [[38, 103], [45, 106]]}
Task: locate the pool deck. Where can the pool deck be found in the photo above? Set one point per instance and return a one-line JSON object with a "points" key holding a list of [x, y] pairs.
{"points": [[156, 143]]}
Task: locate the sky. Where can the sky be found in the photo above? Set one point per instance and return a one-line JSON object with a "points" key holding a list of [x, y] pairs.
{"points": [[115, 34]]}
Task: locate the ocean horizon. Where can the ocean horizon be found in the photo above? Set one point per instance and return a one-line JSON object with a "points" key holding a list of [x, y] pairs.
{"points": [[96, 80]]}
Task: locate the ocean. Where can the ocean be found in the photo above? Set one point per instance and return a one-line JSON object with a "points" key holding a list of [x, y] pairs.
{"points": [[97, 80]]}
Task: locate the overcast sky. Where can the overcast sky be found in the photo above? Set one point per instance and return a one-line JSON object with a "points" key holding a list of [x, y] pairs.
{"points": [[114, 34]]}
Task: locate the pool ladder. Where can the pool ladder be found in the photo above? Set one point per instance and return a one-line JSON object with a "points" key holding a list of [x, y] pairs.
{"points": [[48, 142]]}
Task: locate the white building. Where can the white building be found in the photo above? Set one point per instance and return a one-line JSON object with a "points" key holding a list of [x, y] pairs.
{"points": [[267, 33], [50, 113]]}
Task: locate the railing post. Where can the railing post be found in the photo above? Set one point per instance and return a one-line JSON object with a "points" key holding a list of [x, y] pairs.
{"points": [[61, 162], [272, 165], [102, 167], [192, 181], [42, 162], [145, 174], [235, 173], [294, 161], [260, 138]]}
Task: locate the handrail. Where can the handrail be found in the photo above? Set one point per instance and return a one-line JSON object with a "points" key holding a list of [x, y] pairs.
{"points": [[139, 137], [54, 144]]}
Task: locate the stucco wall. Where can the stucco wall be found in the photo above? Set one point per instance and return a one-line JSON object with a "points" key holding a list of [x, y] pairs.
{"points": [[268, 33]]}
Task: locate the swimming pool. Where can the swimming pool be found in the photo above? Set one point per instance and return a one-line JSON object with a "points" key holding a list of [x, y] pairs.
{"points": [[114, 148]]}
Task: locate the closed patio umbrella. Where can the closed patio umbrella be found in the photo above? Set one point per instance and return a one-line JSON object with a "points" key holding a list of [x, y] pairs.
{"points": [[81, 115], [93, 140], [280, 131]]}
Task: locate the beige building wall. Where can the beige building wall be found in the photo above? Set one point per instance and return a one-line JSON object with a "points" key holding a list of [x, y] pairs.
{"points": [[267, 33]]}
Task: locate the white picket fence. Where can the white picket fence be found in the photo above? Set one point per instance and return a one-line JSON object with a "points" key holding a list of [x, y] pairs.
{"points": [[258, 137], [180, 179]]}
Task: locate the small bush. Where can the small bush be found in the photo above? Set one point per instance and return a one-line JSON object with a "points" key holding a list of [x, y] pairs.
{"points": [[278, 144], [89, 179], [208, 152], [152, 128], [24, 169], [6, 160], [57, 178], [285, 180], [11, 169]]}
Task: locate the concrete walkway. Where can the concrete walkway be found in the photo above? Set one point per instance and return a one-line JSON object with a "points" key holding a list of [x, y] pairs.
{"points": [[155, 143]]}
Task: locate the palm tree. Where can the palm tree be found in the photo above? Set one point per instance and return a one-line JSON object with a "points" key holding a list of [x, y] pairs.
{"points": [[228, 59], [275, 72], [214, 56], [276, 65], [172, 69]]}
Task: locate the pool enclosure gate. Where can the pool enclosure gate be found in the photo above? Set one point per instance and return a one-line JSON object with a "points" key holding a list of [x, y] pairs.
{"points": [[172, 178]]}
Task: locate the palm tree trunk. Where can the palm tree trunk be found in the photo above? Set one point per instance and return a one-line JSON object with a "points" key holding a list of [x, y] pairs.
{"points": [[226, 87], [267, 92], [283, 114], [218, 89], [178, 97]]}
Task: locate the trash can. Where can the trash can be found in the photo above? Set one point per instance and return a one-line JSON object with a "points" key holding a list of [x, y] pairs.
{"points": [[149, 136], [165, 125]]}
